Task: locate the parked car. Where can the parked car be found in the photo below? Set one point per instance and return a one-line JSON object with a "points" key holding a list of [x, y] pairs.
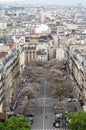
{"points": [[64, 123], [56, 124], [56, 112], [59, 115], [71, 99], [30, 119], [18, 115]]}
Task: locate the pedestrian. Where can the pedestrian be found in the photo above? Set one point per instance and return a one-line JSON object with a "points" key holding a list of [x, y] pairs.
{"points": [[46, 116]]}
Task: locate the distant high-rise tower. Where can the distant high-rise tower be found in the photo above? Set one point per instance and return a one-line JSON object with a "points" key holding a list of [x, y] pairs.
{"points": [[42, 18], [17, 13]]}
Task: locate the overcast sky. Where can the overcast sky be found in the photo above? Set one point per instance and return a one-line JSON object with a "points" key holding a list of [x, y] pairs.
{"points": [[49, 1]]}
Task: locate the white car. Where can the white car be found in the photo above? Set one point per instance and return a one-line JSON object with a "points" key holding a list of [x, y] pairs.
{"points": [[57, 125], [71, 99], [59, 115]]}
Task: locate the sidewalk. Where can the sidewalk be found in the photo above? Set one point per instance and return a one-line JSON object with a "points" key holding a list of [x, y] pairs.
{"points": [[73, 106], [70, 82]]}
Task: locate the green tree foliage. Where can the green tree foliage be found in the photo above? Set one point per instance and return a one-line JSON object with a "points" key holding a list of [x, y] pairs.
{"points": [[2, 126], [15, 123], [77, 121]]}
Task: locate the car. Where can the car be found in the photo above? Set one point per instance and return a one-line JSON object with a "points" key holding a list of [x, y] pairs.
{"points": [[64, 123], [56, 124], [30, 119], [57, 120], [71, 99], [30, 115], [56, 111], [59, 115], [18, 115]]}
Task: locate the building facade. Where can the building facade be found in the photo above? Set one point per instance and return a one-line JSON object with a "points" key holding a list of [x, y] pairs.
{"points": [[76, 60], [11, 72]]}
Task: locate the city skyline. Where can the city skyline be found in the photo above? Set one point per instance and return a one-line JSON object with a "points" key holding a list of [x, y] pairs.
{"points": [[66, 2]]}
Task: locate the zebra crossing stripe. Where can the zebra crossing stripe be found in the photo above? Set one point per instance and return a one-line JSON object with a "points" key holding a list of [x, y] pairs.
{"points": [[46, 106]]}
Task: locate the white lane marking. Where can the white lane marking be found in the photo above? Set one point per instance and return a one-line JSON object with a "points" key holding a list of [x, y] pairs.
{"points": [[44, 103]]}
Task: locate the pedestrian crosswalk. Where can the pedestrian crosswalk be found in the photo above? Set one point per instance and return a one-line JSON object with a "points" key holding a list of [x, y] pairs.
{"points": [[47, 102], [46, 105]]}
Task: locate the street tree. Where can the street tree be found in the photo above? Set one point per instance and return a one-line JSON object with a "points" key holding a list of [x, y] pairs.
{"points": [[34, 73], [28, 91], [17, 123], [2, 127], [77, 121], [55, 75], [54, 63], [59, 89]]}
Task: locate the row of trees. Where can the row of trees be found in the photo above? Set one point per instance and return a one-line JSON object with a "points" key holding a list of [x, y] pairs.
{"points": [[55, 75], [15, 123], [29, 86]]}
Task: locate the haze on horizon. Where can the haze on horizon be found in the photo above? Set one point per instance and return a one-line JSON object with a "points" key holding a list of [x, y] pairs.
{"points": [[64, 2]]}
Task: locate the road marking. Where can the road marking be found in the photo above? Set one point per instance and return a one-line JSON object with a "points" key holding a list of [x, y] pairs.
{"points": [[44, 104]]}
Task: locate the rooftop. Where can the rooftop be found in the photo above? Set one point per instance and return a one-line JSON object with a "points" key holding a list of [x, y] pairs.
{"points": [[41, 52], [11, 45], [3, 54], [33, 41]]}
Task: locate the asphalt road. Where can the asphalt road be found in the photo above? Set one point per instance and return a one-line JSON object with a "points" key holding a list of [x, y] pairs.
{"points": [[44, 109]]}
